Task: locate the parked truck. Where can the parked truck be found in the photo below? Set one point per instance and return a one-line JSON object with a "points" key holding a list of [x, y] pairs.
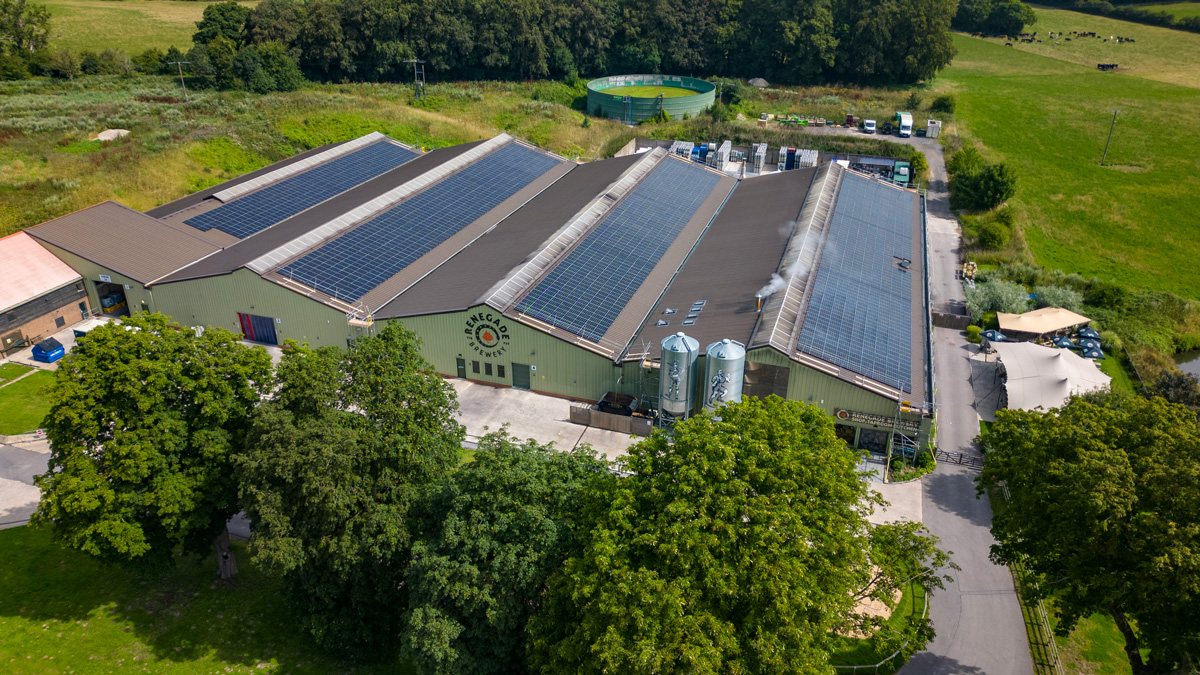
{"points": [[904, 124], [900, 174]]}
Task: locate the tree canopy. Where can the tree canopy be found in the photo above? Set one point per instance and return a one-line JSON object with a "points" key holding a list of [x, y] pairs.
{"points": [[143, 420], [740, 544], [1105, 508], [489, 536], [882, 41], [333, 464]]}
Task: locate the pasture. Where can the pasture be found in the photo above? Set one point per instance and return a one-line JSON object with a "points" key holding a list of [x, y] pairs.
{"points": [[131, 26], [1160, 54], [1133, 220], [1179, 10]]}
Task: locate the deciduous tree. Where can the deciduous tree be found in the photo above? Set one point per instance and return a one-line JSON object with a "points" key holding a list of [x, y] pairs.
{"points": [[738, 545], [143, 421], [490, 535], [332, 466], [1105, 508]]}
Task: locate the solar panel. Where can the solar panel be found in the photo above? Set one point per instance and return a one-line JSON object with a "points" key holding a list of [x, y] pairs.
{"points": [[352, 265], [275, 203], [860, 314], [589, 288]]}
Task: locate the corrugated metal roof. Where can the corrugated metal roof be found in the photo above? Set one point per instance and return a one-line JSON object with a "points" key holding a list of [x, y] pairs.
{"points": [[28, 271], [125, 241], [463, 280], [246, 250], [734, 259], [195, 198]]}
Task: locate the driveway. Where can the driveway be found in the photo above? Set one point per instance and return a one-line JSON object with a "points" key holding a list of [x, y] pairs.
{"points": [[18, 496], [978, 618]]}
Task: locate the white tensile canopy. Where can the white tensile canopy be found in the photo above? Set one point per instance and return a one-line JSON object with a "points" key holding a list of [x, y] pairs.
{"points": [[1045, 377], [1040, 321]]}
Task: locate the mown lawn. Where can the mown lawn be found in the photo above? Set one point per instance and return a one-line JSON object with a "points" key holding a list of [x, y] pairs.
{"points": [[131, 26], [63, 612], [1161, 54], [1179, 10], [1121, 379], [23, 404], [11, 371], [1131, 221], [861, 653]]}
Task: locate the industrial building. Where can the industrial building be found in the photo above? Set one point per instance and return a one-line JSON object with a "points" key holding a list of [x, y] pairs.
{"points": [[520, 268], [39, 294]]}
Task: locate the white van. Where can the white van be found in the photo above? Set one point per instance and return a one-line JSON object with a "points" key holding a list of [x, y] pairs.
{"points": [[869, 126]]}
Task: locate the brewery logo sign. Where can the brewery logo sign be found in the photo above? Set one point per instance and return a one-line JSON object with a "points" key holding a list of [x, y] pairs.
{"points": [[486, 335], [906, 425]]}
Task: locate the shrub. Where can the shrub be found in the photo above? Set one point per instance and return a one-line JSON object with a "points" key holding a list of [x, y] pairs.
{"points": [[919, 165], [1059, 296], [1105, 294], [1187, 342], [993, 235], [996, 296], [913, 102], [65, 64], [965, 161], [1111, 341], [149, 61], [12, 67], [943, 104], [973, 332], [990, 321]]}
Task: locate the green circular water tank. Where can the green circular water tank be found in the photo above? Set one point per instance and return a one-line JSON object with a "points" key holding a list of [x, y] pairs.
{"points": [[605, 97]]}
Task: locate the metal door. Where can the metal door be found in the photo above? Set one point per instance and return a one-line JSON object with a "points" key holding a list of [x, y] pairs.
{"points": [[462, 368], [520, 376], [258, 328]]}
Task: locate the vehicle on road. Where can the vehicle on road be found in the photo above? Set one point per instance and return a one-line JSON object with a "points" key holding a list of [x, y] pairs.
{"points": [[904, 124], [869, 126]]}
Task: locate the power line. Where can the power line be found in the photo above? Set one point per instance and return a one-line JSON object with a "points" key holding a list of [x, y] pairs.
{"points": [[180, 65], [1110, 133]]}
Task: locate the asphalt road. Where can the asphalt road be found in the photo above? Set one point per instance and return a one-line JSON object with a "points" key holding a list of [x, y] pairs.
{"points": [[977, 617], [18, 496]]}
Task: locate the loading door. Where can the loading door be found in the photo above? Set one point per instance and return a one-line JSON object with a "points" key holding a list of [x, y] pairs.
{"points": [[520, 375], [258, 328]]}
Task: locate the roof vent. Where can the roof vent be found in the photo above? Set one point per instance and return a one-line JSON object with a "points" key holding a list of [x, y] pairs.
{"points": [[668, 311], [662, 322], [689, 322]]}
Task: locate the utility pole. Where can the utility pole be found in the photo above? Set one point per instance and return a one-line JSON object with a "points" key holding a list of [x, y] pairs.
{"points": [[180, 65], [1110, 133], [418, 78]]}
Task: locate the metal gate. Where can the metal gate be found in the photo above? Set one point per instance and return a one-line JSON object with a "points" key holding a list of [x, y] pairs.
{"points": [[520, 376], [258, 328]]}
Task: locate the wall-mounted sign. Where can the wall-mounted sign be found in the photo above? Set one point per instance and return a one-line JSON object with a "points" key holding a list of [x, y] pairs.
{"points": [[486, 335], [856, 417], [105, 278]]}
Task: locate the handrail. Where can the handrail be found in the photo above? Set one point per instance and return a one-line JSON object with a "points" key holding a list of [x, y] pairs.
{"points": [[877, 666]]}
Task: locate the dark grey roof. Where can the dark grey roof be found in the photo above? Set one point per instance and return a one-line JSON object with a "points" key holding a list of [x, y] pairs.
{"points": [[248, 249], [193, 199], [734, 259], [462, 280], [125, 241]]}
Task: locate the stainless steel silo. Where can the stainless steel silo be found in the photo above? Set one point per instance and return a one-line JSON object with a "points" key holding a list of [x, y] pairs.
{"points": [[724, 366], [677, 377]]}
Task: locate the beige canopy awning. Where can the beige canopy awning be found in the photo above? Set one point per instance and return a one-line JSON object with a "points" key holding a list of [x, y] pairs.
{"points": [[1045, 377], [1040, 321]]}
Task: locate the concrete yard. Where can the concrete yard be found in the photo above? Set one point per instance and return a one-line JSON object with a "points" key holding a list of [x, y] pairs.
{"points": [[18, 495], [545, 419]]}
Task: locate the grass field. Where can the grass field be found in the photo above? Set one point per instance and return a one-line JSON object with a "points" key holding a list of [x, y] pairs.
{"points": [[1179, 10], [1131, 221], [1121, 379], [650, 92], [11, 371], [131, 26], [861, 653], [63, 612], [1157, 53], [23, 404]]}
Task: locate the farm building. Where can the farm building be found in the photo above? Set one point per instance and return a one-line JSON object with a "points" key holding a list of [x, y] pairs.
{"points": [[39, 294], [519, 268]]}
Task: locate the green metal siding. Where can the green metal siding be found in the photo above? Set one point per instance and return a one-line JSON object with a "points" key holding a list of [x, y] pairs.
{"points": [[135, 294], [563, 369], [216, 301], [828, 392], [605, 95]]}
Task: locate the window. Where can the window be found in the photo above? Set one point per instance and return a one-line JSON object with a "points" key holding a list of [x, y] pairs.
{"points": [[500, 371], [475, 367], [487, 369], [60, 322], [763, 379]]}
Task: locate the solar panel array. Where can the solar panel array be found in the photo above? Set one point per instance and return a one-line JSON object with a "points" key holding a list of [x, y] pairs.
{"points": [[352, 265], [860, 314], [589, 288], [277, 202]]}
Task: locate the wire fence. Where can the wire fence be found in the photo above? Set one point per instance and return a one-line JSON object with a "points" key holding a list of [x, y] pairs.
{"points": [[890, 660], [1042, 647]]}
